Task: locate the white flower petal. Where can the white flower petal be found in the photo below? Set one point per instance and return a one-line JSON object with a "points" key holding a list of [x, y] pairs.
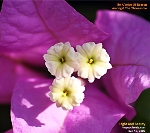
{"points": [[88, 48], [59, 71], [51, 51], [91, 77], [55, 89], [58, 47], [67, 70], [104, 64], [71, 54], [99, 71], [66, 48], [52, 66], [66, 104], [50, 57], [54, 96], [81, 51], [104, 56], [74, 83], [93, 61], [83, 71], [61, 60], [67, 92], [74, 65], [59, 101], [96, 72], [81, 58], [59, 84], [98, 48]]}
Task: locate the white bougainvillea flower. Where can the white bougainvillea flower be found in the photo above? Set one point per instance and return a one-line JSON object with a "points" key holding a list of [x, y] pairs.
{"points": [[61, 60], [67, 92], [93, 61]]}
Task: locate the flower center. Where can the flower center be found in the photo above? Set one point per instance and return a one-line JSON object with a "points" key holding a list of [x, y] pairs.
{"points": [[62, 60], [91, 61], [65, 93]]}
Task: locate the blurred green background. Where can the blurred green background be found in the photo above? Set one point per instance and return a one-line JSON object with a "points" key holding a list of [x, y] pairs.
{"points": [[89, 9]]}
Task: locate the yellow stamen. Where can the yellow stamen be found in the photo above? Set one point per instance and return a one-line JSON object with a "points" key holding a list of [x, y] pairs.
{"points": [[62, 60], [65, 93], [91, 61]]}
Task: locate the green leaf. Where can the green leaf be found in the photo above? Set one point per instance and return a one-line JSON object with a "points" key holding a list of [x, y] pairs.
{"points": [[142, 106]]}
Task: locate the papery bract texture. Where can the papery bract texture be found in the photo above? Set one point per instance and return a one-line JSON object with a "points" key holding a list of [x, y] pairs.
{"points": [[45, 24], [129, 49], [9, 131], [32, 111], [8, 77], [10, 71]]}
